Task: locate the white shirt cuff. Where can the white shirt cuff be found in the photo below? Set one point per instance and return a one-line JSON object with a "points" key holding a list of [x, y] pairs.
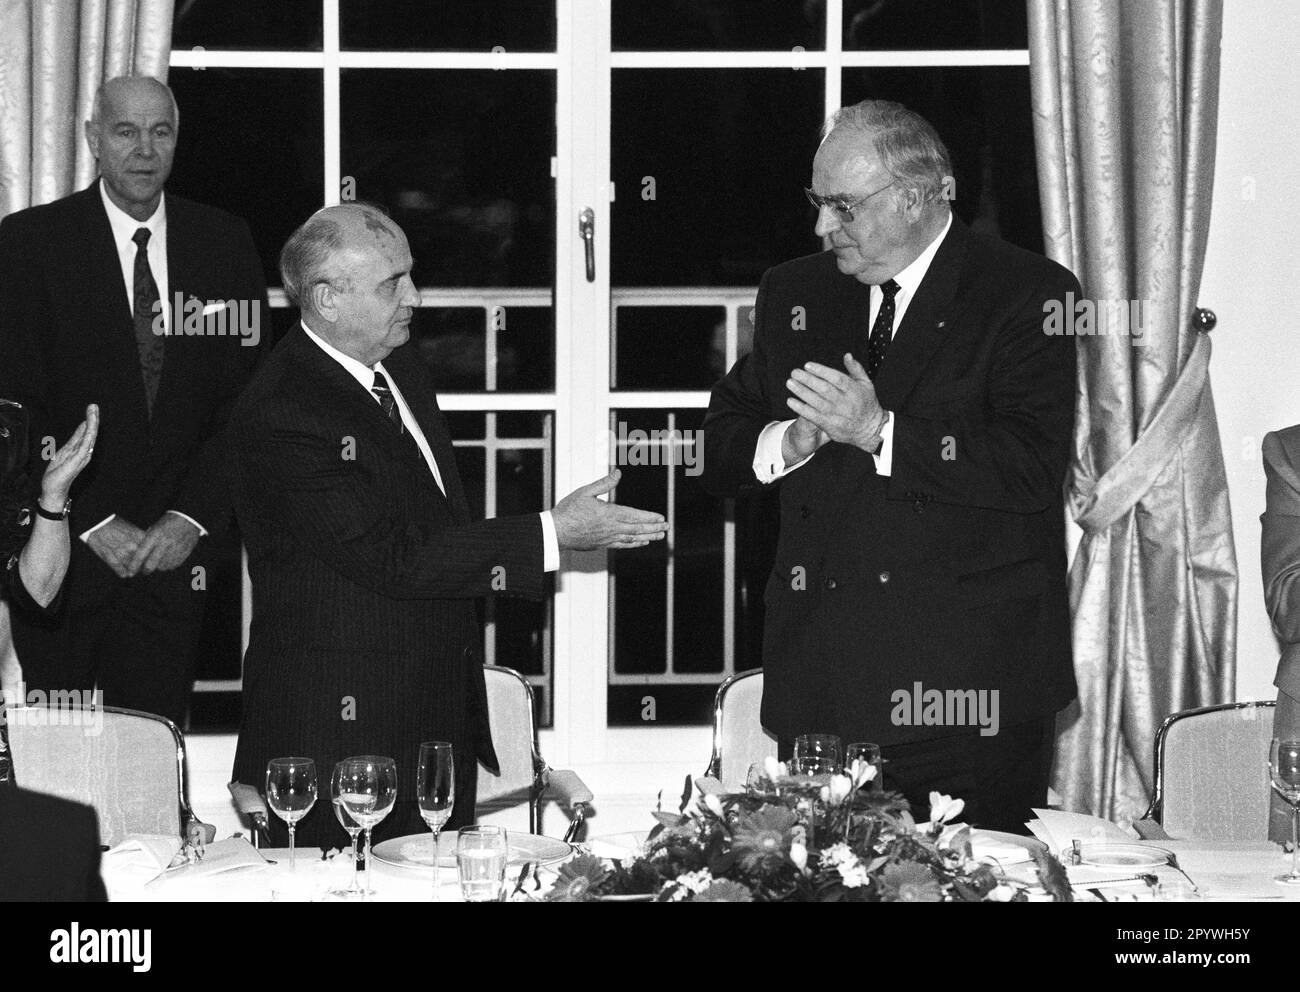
{"points": [[550, 544], [107, 519], [184, 516], [885, 456], [769, 462]]}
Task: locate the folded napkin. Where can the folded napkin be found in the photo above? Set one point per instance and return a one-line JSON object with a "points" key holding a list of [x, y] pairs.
{"points": [[137, 861], [1059, 829]]}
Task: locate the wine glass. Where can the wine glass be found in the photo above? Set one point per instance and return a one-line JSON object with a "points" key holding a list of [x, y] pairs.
{"points": [[291, 791], [368, 789], [350, 825], [870, 753], [818, 755], [481, 855], [1284, 772], [435, 788]]}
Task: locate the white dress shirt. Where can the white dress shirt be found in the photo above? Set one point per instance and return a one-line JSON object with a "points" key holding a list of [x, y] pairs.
{"points": [[365, 376], [769, 462], [124, 227]]}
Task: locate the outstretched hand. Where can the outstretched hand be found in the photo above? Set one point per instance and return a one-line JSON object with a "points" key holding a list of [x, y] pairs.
{"points": [[585, 523], [68, 461]]}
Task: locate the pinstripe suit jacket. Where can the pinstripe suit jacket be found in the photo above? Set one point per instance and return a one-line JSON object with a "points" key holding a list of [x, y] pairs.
{"points": [[365, 637]]}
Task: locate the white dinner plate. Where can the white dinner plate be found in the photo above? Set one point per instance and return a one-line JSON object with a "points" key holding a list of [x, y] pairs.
{"points": [[1123, 856], [416, 850]]}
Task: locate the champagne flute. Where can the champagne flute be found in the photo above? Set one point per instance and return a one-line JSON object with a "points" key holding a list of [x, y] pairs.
{"points": [[291, 792], [368, 789], [436, 791], [350, 825], [481, 855], [1284, 773]]}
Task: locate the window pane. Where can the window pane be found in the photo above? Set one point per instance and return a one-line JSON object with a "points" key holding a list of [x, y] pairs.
{"points": [[668, 347], [668, 598], [462, 160], [241, 25], [526, 350], [709, 166], [251, 142], [719, 25], [453, 343], [935, 24], [449, 25], [983, 116]]}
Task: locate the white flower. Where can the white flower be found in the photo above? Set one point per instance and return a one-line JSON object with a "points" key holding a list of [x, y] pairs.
{"points": [[944, 808], [840, 788], [1001, 893], [825, 794], [774, 769], [713, 804], [799, 855], [854, 875], [691, 883], [861, 772], [838, 854]]}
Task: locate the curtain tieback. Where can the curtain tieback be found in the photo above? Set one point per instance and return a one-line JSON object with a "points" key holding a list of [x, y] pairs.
{"points": [[1098, 503]]}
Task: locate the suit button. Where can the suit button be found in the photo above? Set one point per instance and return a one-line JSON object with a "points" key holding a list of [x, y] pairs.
{"points": [[830, 583], [884, 577], [805, 512]]}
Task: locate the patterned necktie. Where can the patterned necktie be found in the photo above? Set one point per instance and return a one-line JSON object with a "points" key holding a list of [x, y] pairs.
{"points": [[389, 403], [145, 311], [882, 331]]}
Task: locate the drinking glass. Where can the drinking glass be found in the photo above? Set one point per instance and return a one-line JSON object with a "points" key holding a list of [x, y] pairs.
{"points": [[481, 855], [368, 789], [818, 755], [1284, 773], [291, 792], [351, 826], [435, 788], [870, 753]]}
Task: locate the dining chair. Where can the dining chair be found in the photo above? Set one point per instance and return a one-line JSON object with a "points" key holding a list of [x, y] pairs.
{"points": [[739, 739], [1211, 774], [524, 774], [129, 765]]}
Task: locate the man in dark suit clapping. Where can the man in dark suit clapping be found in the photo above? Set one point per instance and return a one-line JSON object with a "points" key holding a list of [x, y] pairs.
{"points": [[88, 314], [364, 558], [908, 397]]}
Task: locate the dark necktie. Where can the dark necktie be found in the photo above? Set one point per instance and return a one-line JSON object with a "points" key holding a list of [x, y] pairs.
{"points": [[882, 331], [144, 313], [388, 401]]}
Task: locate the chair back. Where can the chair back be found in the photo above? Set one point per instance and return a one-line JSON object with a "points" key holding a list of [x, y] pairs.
{"points": [[1211, 766], [514, 737], [128, 765], [739, 739]]}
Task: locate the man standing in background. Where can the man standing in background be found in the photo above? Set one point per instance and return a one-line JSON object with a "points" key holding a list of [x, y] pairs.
{"points": [[150, 306]]}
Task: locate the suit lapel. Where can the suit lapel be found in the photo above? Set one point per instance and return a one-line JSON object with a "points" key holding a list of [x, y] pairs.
{"points": [[922, 329], [104, 282], [411, 379]]}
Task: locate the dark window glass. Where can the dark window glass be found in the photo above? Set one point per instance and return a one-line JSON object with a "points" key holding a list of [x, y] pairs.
{"points": [[526, 350], [242, 25], [462, 161], [709, 166], [515, 424], [668, 347], [465, 425], [983, 116], [453, 343], [935, 24], [717, 25], [449, 25], [251, 142]]}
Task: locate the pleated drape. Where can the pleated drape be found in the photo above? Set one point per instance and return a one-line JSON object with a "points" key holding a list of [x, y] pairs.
{"points": [[54, 54], [1125, 103]]}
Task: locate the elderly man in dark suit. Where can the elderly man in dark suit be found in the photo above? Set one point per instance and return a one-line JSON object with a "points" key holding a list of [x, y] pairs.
{"points": [[905, 395], [365, 560], [87, 292]]}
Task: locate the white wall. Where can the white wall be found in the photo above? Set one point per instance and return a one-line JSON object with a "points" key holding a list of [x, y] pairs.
{"points": [[1251, 272]]}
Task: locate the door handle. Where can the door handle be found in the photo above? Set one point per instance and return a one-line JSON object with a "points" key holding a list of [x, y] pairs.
{"points": [[587, 231]]}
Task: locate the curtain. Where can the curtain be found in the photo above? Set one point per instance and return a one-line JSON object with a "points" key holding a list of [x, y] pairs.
{"points": [[1125, 103], [53, 56]]}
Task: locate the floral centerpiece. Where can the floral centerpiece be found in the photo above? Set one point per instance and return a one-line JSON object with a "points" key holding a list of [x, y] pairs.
{"points": [[796, 838]]}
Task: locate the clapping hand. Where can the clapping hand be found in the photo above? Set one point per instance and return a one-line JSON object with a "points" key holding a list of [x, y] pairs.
{"points": [[68, 461], [844, 406]]}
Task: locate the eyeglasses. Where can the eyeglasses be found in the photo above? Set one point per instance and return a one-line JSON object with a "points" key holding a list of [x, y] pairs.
{"points": [[842, 209]]}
